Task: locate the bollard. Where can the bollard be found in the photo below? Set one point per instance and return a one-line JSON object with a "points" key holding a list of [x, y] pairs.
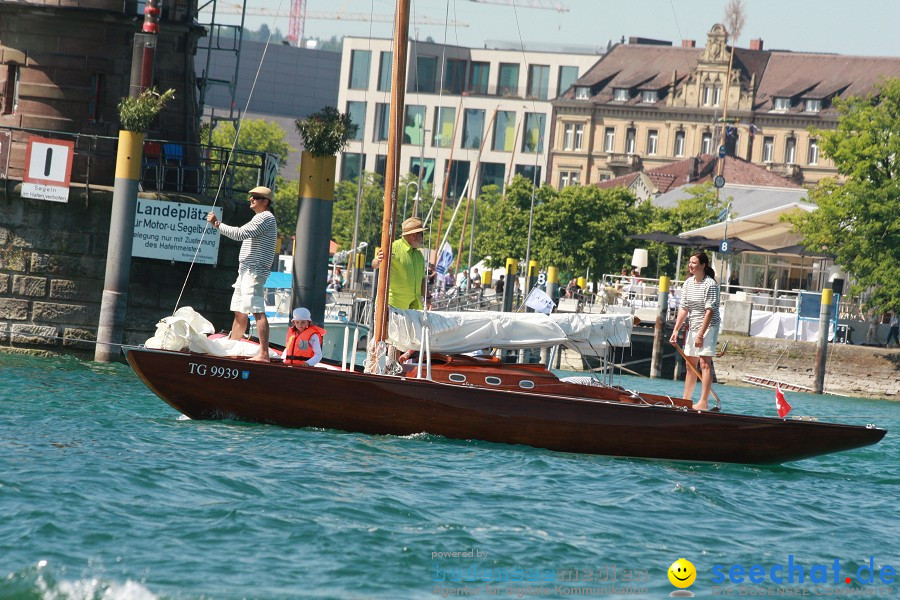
{"points": [[822, 341], [659, 329]]}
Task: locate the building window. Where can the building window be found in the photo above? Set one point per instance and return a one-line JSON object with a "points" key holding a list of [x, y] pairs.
{"points": [[444, 119], [605, 176], [609, 139], [96, 99], [569, 136], [384, 72], [567, 178], [534, 133], [492, 174], [706, 143], [620, 95], [479, 76], [812, 157], [781, 103], [357, 113], [414, 125], [652, 141], [567, 76], [717, 95], [504, 131], [679, 143], [426, 166], [538, 81], [455, 76], [351, 165], [457, 177], [707, 95], [630, 135], [473, 128], [649, 96], [768, 149], [582, 92], [529, 172], [790, 150], [359, 69], [426, 66], [813, 106], [382, 121], [381, 166], [508, 80], [579, 136]]}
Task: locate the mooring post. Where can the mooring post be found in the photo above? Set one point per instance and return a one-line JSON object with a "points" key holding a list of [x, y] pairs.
{"points": [[822, 341], [659, 330]]}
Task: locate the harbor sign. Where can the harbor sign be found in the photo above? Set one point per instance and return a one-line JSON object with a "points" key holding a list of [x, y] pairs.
{"points": [[174, 231], [48, 169]]}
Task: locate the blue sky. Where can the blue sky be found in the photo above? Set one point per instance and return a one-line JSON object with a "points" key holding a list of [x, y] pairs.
{"points": [[861, 27]]}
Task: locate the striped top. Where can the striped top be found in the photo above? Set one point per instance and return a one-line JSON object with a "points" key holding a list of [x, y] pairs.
{"points": [[696, 298], [258, 238]]}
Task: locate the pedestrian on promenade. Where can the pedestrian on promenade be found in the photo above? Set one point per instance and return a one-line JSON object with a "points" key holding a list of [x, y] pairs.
{"points": [[894, 331], [700, 306], [258, 238]]}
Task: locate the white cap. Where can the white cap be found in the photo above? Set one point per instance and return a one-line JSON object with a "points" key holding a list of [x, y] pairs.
{"points": [[302, 314]]}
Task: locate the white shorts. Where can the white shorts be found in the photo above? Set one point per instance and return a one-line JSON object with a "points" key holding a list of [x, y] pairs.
{"points": [[249, 290], [709, 343]]}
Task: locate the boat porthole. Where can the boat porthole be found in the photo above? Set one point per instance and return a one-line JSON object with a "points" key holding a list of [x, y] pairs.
{"points": [[457, 378], [492, 380], [526, 384]]}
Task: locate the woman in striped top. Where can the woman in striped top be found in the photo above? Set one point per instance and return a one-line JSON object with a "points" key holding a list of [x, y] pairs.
{"points": [[700, 305]]}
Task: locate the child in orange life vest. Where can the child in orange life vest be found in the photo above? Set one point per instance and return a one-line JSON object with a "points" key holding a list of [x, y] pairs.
{"points": [[304, 340]]}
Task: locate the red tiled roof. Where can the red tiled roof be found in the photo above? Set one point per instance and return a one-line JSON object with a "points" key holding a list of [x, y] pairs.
{"points": [[674, 175]]}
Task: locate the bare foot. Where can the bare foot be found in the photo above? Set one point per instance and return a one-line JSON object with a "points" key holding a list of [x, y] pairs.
{"points": [[260, 358], [699, 406]]}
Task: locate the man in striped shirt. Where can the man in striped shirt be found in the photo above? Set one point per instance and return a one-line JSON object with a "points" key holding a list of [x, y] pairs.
{"points": [[258, 238]]}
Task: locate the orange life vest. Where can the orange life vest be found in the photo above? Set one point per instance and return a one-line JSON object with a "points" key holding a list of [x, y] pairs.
{"points": [[299, 350]]}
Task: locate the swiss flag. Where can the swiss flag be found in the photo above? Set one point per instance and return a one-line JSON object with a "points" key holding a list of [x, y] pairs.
{"points": [[781, 405]]}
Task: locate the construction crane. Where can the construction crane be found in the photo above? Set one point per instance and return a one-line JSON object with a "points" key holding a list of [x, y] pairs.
{"points": [[298, 15], [540, 4]]}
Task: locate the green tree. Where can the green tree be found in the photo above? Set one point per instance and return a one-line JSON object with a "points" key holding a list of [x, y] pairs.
{"points": [[256, 135], [859, 221], [371, 210], [583, 229]]}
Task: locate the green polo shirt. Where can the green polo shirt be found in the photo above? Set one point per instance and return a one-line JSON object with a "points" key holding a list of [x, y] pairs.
{"points": [[407, 272]]}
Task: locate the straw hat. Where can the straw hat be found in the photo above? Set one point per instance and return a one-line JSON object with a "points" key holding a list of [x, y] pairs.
{"points": [[412, 225]]}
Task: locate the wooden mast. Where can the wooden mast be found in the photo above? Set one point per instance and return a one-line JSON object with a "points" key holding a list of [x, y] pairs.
{"points": [[392, 171]]}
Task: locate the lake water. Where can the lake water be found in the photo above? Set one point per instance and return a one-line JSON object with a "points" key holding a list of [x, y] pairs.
{"points": [[106, 492]]}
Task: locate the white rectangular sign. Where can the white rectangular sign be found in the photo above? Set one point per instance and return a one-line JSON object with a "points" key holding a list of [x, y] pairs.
{"points": [[173, 230], [48, 168]]}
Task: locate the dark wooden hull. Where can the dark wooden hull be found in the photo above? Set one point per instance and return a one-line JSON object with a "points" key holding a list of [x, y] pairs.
{"points": [[312, 397]]}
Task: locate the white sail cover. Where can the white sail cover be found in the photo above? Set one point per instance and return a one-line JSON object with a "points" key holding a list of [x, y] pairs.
{"points": [[455, 332], [188, 330]]}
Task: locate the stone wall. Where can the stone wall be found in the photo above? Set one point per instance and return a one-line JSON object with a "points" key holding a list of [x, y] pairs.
{"points": [[52, 266]]}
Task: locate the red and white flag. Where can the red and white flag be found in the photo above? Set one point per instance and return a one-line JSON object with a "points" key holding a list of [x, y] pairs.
{"points": [[781, 405]]}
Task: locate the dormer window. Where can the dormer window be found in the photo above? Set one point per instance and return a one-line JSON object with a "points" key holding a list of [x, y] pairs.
{"points": [[649, 96], [781, 103], [813, 106], [582, 92], [620, 95]]}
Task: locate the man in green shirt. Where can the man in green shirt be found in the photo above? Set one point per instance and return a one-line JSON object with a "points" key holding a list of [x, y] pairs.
{"points": [[407, 285]]}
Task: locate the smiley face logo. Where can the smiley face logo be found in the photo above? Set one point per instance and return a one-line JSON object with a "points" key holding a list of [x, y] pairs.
{"points": [[682, 573]]}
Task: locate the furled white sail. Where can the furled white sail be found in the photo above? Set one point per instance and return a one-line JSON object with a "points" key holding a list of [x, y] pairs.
{"points": [[454, 332]]}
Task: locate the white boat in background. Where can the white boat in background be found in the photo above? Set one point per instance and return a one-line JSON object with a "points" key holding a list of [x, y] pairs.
{"points": [[344, 334]]}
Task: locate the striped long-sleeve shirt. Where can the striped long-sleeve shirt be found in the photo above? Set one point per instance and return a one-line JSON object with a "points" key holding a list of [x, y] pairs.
{"points": [[258, 238], [696, 298]]}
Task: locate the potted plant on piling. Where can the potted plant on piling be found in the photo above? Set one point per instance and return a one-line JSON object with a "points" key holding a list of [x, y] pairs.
{"points": [[136, 115], [324, 134]]}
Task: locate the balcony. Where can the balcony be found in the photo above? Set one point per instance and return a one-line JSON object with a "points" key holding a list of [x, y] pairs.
{"points": [[166, 167], [622, 163]]}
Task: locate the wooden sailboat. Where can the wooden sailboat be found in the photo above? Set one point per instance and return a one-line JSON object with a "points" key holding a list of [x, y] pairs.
{"points": [[474, 398]]}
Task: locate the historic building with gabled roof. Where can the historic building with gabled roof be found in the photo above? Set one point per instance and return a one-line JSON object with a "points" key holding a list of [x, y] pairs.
{"points": [[645, 105]]}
